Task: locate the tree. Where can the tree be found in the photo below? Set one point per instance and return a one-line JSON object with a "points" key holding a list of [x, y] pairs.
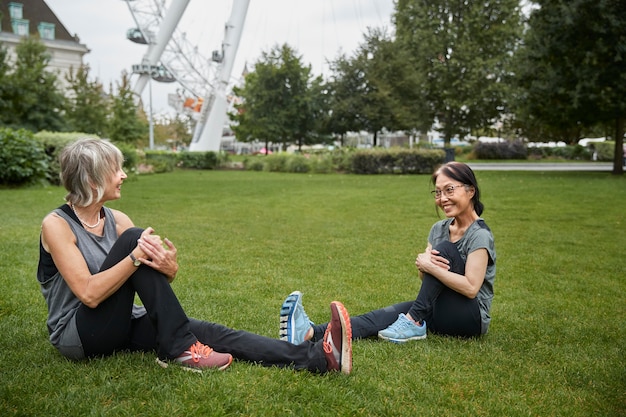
{"points": [[362, 95], [5, 89], [87, 106], [343, 100], [276, 100], [30, 99], [173, 131], [126, 124], [397, 84], [573, 66], [461, 51]]}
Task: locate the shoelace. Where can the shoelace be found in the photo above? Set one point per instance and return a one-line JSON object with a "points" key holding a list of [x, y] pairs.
{"points": [[328, 346], [199, 350], [399, 325]]}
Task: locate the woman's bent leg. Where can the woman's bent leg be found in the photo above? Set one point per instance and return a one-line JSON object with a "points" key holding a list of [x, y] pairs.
{"points": [[260, 349], [455, 315], [108, 327], [422, 308]]}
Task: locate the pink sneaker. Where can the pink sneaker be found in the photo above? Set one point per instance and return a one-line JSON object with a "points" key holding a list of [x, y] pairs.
{"points": [[338, 339], [199, 357]]}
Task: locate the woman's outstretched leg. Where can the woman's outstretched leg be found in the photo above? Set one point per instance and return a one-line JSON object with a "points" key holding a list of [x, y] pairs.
{"points": [[333, 352], [296, 327]]}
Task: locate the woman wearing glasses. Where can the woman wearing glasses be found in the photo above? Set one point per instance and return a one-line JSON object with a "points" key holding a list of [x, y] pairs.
{"points": [[457, 270]]}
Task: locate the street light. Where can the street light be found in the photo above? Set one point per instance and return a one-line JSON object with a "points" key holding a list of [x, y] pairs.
{"points": [[158, 73]]}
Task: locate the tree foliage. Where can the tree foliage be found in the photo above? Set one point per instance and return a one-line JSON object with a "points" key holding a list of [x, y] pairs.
{"points": [[572, 69], [29, 96], [278, 103], [87, 106], [126, 125], [461, 52]]}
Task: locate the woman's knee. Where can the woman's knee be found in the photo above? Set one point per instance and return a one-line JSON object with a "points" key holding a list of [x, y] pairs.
{"points": [[131, 234], [122, 247], [449, 251], [446, 249]]}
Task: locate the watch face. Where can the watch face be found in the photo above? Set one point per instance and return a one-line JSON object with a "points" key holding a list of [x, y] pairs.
{"points": [[136, 261]]}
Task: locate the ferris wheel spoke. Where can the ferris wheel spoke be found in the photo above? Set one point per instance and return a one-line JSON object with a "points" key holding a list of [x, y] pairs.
{"points": [[179, 57]]}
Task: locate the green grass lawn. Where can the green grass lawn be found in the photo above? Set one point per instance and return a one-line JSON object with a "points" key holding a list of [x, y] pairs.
{"points": [[556, 345]]}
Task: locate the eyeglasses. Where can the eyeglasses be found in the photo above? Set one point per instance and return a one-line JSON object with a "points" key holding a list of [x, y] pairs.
{"points": [[447, 191]]}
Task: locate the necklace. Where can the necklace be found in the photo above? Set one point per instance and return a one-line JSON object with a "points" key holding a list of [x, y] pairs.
{"points": [[83, 222]]}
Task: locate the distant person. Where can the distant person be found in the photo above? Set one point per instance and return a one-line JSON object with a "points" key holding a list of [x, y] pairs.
{"points": [[457, 270], [93, 261]]}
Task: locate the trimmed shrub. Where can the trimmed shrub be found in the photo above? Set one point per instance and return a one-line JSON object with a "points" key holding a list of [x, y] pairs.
{"points": [[501, 150], [322, 164], [605, 150], [253, 163], [571, 152], [22, 158], [396, 160], [276, 162], [199, 160], [161, 161], [131, 157], [298, 163]]}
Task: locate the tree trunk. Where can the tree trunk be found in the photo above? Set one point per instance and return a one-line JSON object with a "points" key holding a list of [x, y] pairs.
{"points": [[618, 159]]}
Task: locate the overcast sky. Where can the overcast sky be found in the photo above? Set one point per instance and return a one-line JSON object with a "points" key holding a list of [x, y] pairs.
{"points": [[317, 29]]}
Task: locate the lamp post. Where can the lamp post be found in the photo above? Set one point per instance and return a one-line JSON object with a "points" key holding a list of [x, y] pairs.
{"points": [[150, 70], [150, 121]]}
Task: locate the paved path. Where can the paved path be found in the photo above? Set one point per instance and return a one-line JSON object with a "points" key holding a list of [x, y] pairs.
{"points": [[541, 166]]}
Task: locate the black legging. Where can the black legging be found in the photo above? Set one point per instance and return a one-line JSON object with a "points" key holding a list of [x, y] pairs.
{"points": [[445, 311], [110, 327]]}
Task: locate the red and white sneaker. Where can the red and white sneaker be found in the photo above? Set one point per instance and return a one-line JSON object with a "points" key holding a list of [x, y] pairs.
{"points": [[338, 339], [199, 357]]}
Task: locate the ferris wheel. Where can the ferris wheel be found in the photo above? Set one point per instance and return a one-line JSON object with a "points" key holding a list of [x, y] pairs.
{"points": [[172, 57]]}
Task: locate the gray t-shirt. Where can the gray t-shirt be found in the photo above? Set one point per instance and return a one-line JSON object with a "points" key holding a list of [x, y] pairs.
{"points": [[477, 236]]}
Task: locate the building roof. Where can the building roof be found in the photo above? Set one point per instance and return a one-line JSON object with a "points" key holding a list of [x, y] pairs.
{"points": [[36, 11]]}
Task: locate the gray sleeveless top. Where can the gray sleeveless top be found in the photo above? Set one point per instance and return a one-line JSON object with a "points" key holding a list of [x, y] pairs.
{"points": [[62, 303]]}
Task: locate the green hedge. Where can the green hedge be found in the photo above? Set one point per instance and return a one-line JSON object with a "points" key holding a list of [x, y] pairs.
{"points": [[199, 160], [396, 161], [161, 161], [569, 152], [23, 159], [371, 161], [605, 150], [501, 150]]}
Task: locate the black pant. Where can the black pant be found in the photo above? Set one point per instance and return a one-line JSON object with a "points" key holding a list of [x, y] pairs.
{"points": [[445, 311], [166, 328]]}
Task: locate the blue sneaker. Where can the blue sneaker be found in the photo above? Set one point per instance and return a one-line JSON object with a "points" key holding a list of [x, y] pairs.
{"points": [[295, 326], [403, 330]]}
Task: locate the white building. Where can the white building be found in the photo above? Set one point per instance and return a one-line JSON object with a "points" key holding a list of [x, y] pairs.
{"points": [[35, 19]]}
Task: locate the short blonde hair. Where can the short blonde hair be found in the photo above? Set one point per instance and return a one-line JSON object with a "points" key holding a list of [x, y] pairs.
{"points": [[86, 166]]}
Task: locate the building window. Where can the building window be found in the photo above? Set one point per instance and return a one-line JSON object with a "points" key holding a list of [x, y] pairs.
{"points": [[15, 10], [20, 26], [46, 30]]}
